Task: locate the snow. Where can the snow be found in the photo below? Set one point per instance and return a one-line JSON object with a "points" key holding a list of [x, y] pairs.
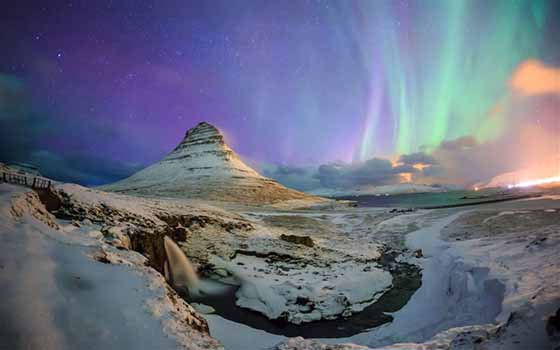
{"points": [[473, 282], [345, 290], [485, 293], [237, 336], [149, 209], [204, 166], [338, 276], [201, 153], [55, 296]]}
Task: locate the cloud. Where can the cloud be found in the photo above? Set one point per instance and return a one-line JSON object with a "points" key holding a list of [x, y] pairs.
{"points": [[299, 178], [526, 138], [81, 168], [532, 77], [11, 96], [340, 175], [463, 143], [374, 172], [417, 158], [28, 135], [289, 170]]}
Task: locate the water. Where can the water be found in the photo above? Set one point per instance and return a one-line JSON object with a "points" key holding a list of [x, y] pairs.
{"points": [[406, 280], [179, 270], [440, 199]]}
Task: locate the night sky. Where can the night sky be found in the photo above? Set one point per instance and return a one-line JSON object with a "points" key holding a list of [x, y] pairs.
{"points": [[93, 90]]}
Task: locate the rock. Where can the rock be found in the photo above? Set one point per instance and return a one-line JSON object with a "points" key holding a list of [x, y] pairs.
{"points": [[76, 223], [29, 203], [401, 211], [303, 240], [553, 324], [299, 343], [181, 233], [101, 256], [203, 166], [469, 340], [116, 237]]}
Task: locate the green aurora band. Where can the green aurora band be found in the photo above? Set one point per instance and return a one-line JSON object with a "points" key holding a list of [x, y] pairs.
{"points": [[440, 69]]}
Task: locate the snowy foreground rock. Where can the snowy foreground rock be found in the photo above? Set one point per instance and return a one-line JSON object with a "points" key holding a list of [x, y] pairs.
{"points": [[65, 289], [91, 275], [337, 276]]}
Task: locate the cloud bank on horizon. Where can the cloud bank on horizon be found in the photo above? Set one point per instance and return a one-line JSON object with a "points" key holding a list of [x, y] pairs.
{"points": [[342, 94]]}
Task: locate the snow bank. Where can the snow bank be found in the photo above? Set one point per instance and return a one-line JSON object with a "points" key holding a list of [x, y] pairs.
{"points": [[305, 294], [55, 296], [486, 293]]}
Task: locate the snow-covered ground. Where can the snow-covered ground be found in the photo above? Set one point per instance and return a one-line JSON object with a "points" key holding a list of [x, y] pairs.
{"points": [[337, 275], [490, 292], [489, 274], [56, 295], [305, 294]]}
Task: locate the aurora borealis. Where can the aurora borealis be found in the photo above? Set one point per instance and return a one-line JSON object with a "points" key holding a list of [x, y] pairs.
{"points": [[439, 71], [103, 88]]}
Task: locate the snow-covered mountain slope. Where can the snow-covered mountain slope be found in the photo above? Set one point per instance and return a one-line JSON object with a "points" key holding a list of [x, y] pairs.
{"points": [[204, 166]]}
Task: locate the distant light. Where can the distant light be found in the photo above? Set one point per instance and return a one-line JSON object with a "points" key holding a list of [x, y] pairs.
{"points": [[543, 181]]}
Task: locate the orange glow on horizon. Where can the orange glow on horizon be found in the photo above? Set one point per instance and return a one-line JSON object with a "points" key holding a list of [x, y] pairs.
{"points": [[536, 182], [420, 166]]}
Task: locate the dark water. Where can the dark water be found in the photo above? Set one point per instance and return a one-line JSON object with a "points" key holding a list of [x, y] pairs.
{"points": [[435, 200], [406, 280]]}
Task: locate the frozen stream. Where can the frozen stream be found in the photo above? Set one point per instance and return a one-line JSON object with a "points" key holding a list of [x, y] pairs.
{"points": [[452, 294]]}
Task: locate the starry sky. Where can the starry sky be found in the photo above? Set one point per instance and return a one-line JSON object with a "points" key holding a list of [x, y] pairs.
{"points": [[93, 90]]}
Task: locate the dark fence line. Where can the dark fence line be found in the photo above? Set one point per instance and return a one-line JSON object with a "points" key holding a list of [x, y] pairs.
{"points": [[23, 180]]}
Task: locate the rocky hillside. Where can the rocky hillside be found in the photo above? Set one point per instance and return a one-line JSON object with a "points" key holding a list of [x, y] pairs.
{"points": [[203, 166]]}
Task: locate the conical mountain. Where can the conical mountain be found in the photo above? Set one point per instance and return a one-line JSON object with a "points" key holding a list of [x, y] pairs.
{"points": [[203, 166]]}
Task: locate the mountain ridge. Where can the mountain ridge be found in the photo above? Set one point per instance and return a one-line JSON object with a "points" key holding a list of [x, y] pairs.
{"points": [[203, 166]]}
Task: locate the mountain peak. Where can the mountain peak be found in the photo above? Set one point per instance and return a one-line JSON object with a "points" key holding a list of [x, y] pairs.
{"points": [[202, 133], [203, 166], [202, 127]]}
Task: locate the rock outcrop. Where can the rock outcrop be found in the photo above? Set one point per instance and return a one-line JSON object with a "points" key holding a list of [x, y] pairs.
{"points": [[203, 166]]}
